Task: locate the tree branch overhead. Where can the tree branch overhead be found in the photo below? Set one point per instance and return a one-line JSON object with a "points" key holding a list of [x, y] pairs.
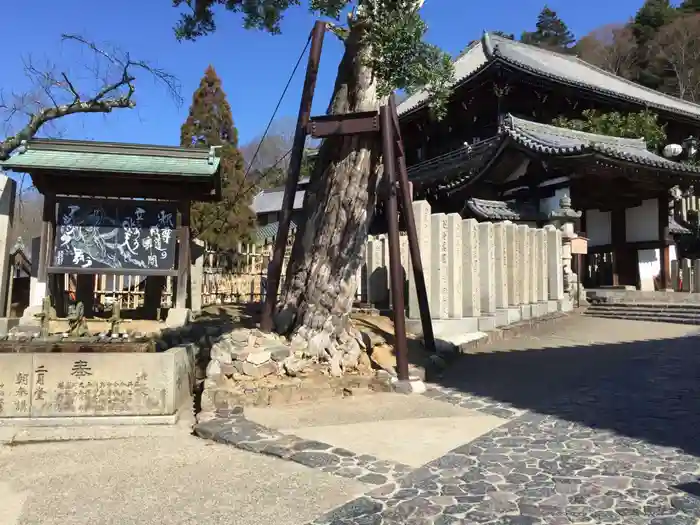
{"points": [[56, 96]]}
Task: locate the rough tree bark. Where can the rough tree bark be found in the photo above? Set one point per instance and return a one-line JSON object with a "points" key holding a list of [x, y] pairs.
{"points": [[321, 279]]}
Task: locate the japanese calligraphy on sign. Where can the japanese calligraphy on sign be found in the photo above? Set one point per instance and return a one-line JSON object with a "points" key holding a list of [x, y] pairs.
{"points": [[119, 235]]}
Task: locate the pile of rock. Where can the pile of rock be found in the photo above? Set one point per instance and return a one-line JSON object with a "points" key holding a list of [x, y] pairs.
{"points": [[251, 353]]}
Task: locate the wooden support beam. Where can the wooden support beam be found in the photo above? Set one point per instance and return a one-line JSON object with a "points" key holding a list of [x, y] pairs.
{"points": [[348, 124], [183, 262], [664, 248]]}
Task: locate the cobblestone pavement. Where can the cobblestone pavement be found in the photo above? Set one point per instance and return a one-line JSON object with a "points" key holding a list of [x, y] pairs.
{"points": [[603, 429]]}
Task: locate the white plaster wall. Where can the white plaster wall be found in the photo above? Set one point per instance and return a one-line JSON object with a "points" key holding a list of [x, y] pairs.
{"points": [[649, 267], [552, 203], [598, 227], [642, 222], [672, 253]]}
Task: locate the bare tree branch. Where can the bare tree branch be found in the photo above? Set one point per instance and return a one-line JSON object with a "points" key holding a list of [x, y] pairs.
{"points": [[56, 95], [610, 47], [677, 47]]}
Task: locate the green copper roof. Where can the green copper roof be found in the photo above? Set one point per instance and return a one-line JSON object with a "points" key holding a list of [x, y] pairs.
{"points": [[106, 157]]}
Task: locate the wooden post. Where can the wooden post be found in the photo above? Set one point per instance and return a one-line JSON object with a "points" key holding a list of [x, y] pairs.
{"points": [[183, 259], [664, 248], [274, 269], [412, 234], [395, 273], [10, 285]]}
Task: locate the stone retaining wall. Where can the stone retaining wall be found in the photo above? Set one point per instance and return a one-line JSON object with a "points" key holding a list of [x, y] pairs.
{"points": [[41, 387], [45, 385]]}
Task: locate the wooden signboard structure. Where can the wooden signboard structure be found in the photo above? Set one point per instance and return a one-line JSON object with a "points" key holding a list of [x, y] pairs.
{"points": [[396, 189], [116, 209]]}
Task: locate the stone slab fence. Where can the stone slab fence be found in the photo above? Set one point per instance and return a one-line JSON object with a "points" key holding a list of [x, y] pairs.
{"points": [[685, 275], [479, 275]]}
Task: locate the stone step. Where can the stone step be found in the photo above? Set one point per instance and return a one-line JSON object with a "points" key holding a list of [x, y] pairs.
{"points": [[646, 311], [629, 316], [649, 304]]}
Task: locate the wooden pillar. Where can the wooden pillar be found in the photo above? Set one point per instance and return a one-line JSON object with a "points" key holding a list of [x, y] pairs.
{"points": [[48, 223], [664, 243], [85, 292], [583, 258], [618, 233], [183, 260]]}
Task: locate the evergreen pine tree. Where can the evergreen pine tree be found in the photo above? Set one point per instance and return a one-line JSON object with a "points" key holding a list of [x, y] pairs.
{"points": [[209, 123], [551, 32], [651, 17]]}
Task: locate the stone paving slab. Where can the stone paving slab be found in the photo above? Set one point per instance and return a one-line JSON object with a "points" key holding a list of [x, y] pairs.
{"points": [[235, 429], [537, 470], [602, 430]]}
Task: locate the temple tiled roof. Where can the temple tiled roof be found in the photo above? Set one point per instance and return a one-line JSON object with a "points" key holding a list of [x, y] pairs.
{"points": [[268, 232], [556, 141], [565, 69], [110, 157], [269, 201], [503, 210]]}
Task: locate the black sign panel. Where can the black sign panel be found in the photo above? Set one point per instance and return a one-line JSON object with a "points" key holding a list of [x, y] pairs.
{"points": [[117, 235]]}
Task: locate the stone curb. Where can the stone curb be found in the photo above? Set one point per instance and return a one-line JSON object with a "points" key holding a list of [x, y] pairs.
{"points": [[512, 331], [231, 427]]}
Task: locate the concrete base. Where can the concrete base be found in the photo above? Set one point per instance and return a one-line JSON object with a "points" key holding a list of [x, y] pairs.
{"points": [[525, 312], [501, 317], [514, 315], [78, 421], [7, 324], [552, 307], [487, 323], [178, 317], [539, 309], [445, 328], [565, 305], [410, 386]]}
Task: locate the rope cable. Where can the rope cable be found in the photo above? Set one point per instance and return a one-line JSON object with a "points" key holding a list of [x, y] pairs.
{"points": [[277, 107]]}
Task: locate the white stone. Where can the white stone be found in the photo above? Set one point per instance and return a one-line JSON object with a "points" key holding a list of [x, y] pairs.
{"points": [[377, 291], [421, 215], [438, 287], [554, 263], [500, 265], [45, 385], [687, 276], [454, 265], [674, 275], [696, 271], [213, 369], [259, 357], [533, 263], [471, 296], [512, 263], [524, 263], [487, 265], [542, 269], [196, 275]]}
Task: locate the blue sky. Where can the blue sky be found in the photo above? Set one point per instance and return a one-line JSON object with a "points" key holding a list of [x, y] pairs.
{"points": [[253, 66]]}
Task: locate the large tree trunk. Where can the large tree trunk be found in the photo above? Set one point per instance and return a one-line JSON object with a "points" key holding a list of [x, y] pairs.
{"points": [[339, 204]]}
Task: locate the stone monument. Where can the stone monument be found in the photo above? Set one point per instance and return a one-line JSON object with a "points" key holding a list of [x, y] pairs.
{"points": [[564, 218]]}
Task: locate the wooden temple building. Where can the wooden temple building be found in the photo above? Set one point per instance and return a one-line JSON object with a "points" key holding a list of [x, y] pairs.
{"points": [[496, 156], [114, 209]]}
